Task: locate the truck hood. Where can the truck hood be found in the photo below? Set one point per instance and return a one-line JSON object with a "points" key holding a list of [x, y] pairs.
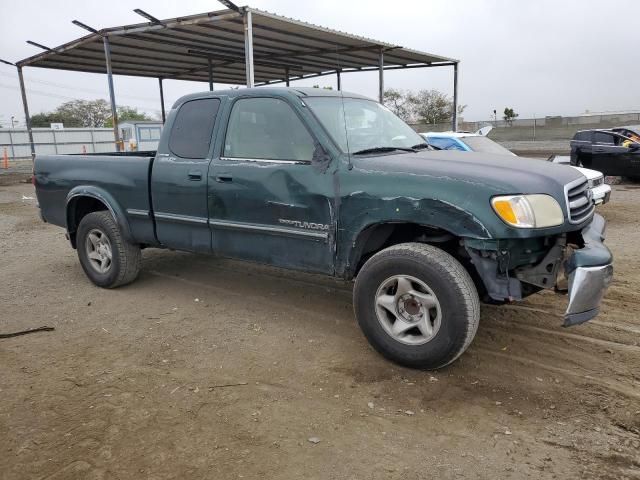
{"points": [[496, 173]]}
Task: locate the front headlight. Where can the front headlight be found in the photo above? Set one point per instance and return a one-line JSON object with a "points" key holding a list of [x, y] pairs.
{"points": [[528, 211]]}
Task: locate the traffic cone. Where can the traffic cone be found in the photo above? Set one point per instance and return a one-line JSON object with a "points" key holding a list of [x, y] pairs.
{"points": [[5, 159]]}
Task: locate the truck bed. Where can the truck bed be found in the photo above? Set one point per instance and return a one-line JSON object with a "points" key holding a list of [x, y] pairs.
{"points": [[121, 179]]}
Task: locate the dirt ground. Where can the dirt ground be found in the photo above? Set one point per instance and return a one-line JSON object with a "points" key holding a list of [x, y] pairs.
{"points": [[209, 368]]}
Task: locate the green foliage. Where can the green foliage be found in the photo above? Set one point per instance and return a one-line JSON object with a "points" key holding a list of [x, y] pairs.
{"points": [[510, 115], [425, 106], [127, 113], [89, 113], [86, 113], [399, 102], [44, 120]]}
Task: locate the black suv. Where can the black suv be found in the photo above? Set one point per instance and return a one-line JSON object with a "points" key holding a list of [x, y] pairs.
{"points": [[614, 151]]}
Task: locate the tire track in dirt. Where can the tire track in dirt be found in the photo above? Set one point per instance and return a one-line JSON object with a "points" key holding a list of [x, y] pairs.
{"points": [[622, 389]]}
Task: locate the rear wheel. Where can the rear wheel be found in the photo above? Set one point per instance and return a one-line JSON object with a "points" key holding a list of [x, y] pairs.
{"points": [[106, 257], [417, 305]]}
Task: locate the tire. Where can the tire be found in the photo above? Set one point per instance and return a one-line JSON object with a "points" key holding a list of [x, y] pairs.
{"points": [[443, 297], [99, 237]]}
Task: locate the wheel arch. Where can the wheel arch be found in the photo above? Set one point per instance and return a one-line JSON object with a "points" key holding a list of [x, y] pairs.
{"points": [[83, 200], [380, 235]]}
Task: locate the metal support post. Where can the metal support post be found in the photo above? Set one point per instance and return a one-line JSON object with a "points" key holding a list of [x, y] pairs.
{"points": [[164, 115], [248, 47], [454, 120], [13, 150], [381, 76], [210, 67], [27, 117], [339, 79], [286, 76], [112, 96]]}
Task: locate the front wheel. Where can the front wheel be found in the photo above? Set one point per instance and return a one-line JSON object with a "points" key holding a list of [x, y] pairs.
{"points": [[106, 257], [417, 305]]}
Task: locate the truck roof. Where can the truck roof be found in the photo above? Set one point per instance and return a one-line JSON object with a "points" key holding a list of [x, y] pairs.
{"points": [[275, 91]]}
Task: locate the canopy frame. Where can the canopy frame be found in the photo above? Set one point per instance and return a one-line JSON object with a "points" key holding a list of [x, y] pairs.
{"points": [[237, 46]]}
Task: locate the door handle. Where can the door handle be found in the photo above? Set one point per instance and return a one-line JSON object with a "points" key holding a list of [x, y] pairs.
{"points": [[224, 178], [195, 175]]}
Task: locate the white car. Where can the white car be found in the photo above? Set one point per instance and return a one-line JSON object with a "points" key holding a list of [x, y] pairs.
{"points": [[478, 142]]}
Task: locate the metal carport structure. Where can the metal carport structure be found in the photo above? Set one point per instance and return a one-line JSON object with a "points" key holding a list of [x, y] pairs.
{"points": [[236, 46]]}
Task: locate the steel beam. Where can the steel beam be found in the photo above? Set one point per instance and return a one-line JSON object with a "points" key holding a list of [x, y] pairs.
{"points": [[339, 80], [164, 116], [112, 96], [454, 117], [27, 117], [286, 76], [381, 76], [365, 69], [210, 71], [248, 47]]}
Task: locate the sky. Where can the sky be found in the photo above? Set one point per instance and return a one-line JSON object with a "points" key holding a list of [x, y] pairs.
{"points": [[544, 57]]}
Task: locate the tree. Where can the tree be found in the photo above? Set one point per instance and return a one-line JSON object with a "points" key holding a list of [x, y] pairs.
{"points": [[86, 113], [510, 115], [432, 106], [90, 113], [44, 120], [426, 106], [399, 102], [127, 113]]}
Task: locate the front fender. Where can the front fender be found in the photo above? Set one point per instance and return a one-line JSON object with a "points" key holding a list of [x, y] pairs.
{"points": [[359, 213], [104, 197]]}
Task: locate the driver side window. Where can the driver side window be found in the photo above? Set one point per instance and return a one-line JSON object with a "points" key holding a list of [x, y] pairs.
{"points": [[269, 129]]}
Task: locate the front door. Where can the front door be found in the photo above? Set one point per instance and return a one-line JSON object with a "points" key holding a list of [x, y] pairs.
{"points": [[608, 154], [179, 177], [269, 201]]}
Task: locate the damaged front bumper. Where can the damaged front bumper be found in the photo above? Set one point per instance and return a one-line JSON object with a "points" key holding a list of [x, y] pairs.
{"points": [[589, 271]]}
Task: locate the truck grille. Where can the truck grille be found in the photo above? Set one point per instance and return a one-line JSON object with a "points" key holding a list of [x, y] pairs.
{"points": [[579, 200]]}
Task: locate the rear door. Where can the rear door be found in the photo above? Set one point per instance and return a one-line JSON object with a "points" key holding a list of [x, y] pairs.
{"points": [[581, 148], [270, 201], [179, 176]]}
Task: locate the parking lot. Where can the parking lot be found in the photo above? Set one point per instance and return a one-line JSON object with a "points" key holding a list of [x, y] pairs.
{"points": [[210, 368]]}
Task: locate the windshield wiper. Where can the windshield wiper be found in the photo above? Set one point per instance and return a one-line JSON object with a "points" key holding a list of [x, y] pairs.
{"points": [[382, 150], [421, 146]]}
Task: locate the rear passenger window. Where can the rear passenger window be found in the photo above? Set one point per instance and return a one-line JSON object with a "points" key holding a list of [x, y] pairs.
{"points": [[267, 128], [192, 130], [583, 136], [601, 137]]}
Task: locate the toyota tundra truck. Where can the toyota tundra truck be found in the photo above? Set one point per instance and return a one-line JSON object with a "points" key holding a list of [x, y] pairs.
{"points": [[334, 183]]}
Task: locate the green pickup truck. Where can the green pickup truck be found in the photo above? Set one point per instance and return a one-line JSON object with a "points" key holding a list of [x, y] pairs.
{"points": [[334, 183]]}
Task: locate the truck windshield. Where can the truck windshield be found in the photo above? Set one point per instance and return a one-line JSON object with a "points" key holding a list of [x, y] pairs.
{"points": [[365, 126]]}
